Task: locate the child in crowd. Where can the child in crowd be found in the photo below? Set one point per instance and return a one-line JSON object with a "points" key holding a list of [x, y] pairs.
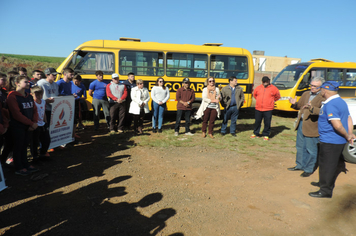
{"points": [[23, 118], [80, 93], [41, 134]]}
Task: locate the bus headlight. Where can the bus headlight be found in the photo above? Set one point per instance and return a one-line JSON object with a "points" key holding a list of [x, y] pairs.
{"points": [[284, 98]]}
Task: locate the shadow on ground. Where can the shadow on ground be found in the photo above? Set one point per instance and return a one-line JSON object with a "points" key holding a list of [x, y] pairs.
{"points": [[46, 204]]}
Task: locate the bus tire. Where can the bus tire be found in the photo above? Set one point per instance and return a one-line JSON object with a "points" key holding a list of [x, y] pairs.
{"points": [[349, 153]]}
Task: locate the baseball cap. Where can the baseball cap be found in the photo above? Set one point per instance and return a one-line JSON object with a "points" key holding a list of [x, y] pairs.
{"points": [[265, 79], [186, 80], [114, 76], [330, 85], [50, 70]]}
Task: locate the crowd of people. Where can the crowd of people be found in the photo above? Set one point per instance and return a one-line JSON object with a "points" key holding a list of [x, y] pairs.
{"points": [[323, 125]]}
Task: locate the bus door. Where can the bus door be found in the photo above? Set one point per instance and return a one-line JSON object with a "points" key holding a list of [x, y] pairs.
{"points": [[304, 84]]}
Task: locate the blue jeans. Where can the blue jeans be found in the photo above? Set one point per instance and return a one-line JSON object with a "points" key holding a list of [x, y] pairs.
{"points": [[230, 113], [307, 150], [158, 111]]}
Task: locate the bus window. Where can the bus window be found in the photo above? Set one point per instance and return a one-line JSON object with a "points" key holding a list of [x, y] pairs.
{"points": [[187, 65], [350, 78], [227, 66], [89, 62], [335, 75], [313, 73], [141, 63], [289, 76]]}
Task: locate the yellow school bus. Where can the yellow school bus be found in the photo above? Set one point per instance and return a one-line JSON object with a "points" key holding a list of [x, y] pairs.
{"points": [[172, 62], [295, 79]]}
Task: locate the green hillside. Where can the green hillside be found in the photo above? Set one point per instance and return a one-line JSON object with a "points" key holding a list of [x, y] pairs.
{"points": [[9, 62]]}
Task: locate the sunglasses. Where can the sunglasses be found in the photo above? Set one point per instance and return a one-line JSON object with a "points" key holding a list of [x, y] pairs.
{"points": [[161, 81], [210, 81], [139, 83]]}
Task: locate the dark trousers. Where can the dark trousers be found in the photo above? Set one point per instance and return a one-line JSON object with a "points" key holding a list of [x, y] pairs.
{"points": [[331, 164], [138, 121], [117, 116], [267, 118], [20, 138], [128, 116], [97, 104], [8, 145], [210, 115], [187, 120], [41, 134]]}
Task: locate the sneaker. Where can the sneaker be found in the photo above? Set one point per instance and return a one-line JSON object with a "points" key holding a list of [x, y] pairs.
{"points": [[32, 169], [154, 130], [81, 126], [254, 136], [22, 172], [265, 138], [112, 132], [10, 161], [175, 133], [120, 131], [189, 133], [159, 130]]}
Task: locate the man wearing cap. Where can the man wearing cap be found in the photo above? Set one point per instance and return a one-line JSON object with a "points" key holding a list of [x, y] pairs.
{"points": [[335, 130], [185, 96], [50, 90], [117, 94], [97, 89], [307, 127], [265, 94]]}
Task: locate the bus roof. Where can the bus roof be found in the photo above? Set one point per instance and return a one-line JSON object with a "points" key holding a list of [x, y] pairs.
{"points": [[153, 46]]}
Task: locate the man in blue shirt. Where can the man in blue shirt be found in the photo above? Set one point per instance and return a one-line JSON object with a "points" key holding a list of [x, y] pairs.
{"points": [[65, 85], [232, 99], [97, 89], [335, 129]]}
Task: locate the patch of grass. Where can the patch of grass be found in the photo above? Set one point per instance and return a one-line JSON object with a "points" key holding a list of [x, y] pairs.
{"points": [[35, 58]]}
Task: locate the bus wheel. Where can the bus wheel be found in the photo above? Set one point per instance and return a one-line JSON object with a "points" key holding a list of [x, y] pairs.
{"points": [[349, 153]]}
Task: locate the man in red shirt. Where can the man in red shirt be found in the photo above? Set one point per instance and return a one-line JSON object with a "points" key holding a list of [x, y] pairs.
{"points": [[265, 94]]}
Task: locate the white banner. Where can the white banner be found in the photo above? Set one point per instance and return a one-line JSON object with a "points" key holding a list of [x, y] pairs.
{"points": [[2, 180], [62, 121]]}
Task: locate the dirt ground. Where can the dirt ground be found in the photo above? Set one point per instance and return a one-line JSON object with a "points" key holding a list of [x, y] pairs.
{"points": [[111, 185]]}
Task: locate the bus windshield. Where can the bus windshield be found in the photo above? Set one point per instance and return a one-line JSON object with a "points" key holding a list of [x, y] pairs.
{"points": [[289, 76]]}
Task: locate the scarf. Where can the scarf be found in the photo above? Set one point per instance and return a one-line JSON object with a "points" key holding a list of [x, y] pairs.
{"points": [[211, 92]]}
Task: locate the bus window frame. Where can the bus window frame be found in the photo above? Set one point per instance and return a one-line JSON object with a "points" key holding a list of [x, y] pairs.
{"points": [[205, 70], [86, 72], [147, 51], [246, 61]]}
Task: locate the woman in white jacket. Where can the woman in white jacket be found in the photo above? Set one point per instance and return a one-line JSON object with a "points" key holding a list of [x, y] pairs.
{"points": [[209, 108], [139, 105], [160, 95]]}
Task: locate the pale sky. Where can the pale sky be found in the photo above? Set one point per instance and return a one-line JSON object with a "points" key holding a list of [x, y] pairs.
{"points": [[301, 29]]}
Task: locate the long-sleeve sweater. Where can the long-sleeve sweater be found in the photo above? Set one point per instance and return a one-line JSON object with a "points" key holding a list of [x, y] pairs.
{"points": [[159, 94], [23, 112]]}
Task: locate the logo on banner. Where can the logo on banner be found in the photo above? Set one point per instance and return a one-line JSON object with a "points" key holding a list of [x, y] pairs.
{"points": [[61, 122]]}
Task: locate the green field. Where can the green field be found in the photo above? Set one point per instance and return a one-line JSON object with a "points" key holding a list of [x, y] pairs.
{"points": [[10, 62], [35, 58]]}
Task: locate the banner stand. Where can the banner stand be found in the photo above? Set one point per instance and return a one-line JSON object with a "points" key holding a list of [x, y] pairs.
{"points": [[2, 179]]}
